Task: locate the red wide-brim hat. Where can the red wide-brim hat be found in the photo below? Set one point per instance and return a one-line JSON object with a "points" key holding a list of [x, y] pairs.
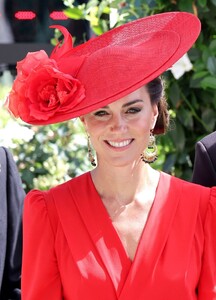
{"points": [[75, 81]]}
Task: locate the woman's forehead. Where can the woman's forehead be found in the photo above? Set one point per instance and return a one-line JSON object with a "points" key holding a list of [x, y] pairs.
{"points": [[139, 95]]}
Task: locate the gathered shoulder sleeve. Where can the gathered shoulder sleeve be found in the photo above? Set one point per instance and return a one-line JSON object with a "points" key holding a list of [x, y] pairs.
{"points": [[207, 285], [40, 274]]}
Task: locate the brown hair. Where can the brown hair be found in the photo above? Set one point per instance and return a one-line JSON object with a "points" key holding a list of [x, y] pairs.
{"points": [[156, 89]]}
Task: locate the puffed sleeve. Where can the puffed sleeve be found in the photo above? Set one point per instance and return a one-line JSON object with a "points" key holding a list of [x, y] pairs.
{"points": [[207, 285], [40, 275]]}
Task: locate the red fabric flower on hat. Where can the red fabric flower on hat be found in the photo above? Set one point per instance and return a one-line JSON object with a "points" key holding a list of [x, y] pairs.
{"points": [[41, 92]]}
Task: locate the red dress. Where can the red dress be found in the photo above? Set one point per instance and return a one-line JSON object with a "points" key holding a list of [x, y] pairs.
{"points": [[72, 251]]}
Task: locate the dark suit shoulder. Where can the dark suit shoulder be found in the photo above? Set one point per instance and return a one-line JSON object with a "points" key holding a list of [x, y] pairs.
{"points": [[204, 171], [209, 141]]}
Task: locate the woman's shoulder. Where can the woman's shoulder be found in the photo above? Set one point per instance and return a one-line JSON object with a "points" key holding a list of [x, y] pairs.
{"points": [[184, 184], [75, 184], [191, 193], [37, 196], [190, 188]]}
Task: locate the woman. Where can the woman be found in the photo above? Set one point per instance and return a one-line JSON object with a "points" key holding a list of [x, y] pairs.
{"points": [[123, 230]]}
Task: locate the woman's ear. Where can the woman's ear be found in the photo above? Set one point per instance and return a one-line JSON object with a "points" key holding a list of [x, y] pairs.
{"points": [[82, 119], [155, 115]]}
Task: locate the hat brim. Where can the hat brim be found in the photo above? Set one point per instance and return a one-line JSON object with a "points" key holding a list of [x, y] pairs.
{"points": [[127, 57]]}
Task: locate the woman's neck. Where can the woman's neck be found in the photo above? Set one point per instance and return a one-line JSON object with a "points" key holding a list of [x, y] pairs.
{"points": [[124, 184]]}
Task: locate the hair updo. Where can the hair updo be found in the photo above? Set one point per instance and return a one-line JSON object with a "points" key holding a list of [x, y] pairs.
{"points": [[156, 92]]}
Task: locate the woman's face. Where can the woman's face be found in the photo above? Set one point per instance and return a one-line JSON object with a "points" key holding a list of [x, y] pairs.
{"points": [[119, 132]]}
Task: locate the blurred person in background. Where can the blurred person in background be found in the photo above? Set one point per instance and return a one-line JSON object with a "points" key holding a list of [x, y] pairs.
{"points": [[204, 171], [11, 205]]}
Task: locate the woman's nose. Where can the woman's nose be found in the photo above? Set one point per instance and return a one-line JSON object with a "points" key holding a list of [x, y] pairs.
{"points": [[117, 123]]}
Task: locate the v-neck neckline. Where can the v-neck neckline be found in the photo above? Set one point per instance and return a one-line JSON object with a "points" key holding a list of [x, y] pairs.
{"points": [[106, 218]]}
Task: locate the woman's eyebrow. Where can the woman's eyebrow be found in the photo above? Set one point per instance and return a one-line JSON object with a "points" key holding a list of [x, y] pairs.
{"points": [[132, 102], [126, 104]]}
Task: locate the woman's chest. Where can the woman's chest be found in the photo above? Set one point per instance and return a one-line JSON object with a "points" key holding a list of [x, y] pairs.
{"points": [[129, 225]]}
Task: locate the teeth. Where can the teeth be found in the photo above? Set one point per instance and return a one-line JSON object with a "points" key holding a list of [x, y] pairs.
{"points": [[119, 144]]}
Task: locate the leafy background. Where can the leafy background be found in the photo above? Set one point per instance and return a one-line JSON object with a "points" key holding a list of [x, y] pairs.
{"points": [[49, 155]]}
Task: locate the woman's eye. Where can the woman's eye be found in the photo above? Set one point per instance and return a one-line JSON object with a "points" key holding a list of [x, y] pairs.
{"points": [[133, 110], [101, 113]]}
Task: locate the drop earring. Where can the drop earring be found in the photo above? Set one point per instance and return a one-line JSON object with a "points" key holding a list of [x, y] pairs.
{"points": [[149, 155], [90, 154]]}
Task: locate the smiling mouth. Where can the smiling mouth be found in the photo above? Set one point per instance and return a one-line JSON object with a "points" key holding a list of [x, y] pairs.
{"points": [[119, 144]]}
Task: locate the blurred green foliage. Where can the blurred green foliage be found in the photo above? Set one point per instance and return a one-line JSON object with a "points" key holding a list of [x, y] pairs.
{"points": [[52, 154]]}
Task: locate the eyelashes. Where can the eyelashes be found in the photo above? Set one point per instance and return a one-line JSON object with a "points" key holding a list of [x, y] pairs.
{"points": [[131, 110], [101, 113]]}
